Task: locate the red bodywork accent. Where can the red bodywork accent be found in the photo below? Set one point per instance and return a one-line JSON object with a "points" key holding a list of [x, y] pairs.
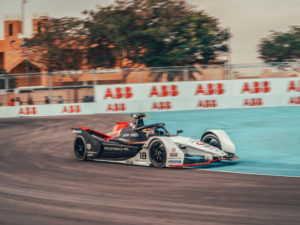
{"points": [[137, 142], [104, 136], [201, 164], [117, 128], [115, 131]]}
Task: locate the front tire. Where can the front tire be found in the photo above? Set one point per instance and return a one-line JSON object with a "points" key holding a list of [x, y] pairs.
{"points": [[80, 150], [212, 139], [158, 154]]}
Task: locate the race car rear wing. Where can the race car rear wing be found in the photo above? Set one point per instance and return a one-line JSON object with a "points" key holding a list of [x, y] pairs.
{"points": [[78, 130]]}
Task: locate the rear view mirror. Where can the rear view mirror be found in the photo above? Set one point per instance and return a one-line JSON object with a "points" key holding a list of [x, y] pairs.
{"points": [[179, 131]]}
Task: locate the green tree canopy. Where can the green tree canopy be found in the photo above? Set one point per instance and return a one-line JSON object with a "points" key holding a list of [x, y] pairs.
{"points": [[131, 32], [153, 33], [58, 44], [281, 46]]}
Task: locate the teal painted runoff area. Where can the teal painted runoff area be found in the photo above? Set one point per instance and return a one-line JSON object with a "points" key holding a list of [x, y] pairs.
{"points": [[267, 140]]}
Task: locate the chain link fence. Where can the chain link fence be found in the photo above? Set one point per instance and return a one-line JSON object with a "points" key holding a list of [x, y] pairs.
{"points": [[77, 86]]}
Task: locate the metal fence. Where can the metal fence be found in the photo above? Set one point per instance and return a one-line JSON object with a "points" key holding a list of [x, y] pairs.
{"points": [[77, 86]]}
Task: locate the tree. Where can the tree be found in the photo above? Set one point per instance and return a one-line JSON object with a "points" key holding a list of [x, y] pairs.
{"points": [[111, 37], [153, 33], [179, 36], [58, 46], [281, 46], [132, 33]]}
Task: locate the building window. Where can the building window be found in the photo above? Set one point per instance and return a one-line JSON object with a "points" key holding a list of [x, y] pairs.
{"points": [[39, 26], [10, 29]]}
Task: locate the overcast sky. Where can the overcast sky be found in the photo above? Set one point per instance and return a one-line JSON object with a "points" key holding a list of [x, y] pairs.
{"points": [[248, 20]]}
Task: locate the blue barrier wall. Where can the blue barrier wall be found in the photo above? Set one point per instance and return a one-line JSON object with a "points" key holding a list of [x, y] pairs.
{"points": [[267, 139]]}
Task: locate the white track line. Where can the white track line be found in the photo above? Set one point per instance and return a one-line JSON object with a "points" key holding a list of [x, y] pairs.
{"points": [[249, 173]]}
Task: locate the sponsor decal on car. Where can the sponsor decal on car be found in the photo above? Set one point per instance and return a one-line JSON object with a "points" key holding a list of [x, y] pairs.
{"points": [[116, 149], [172, 154], [130, 162], [134, 135], [175, 161], [88, 146], [77, 131]]}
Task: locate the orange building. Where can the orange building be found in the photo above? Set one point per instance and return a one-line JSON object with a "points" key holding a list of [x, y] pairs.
{"points": [[13, 55]]}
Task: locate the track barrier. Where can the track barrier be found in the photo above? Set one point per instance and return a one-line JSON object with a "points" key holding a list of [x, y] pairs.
{"points": [[172, 96]]}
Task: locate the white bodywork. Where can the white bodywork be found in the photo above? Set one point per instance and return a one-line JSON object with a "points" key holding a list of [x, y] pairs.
{"points": [[226, 143], [178, 146]]}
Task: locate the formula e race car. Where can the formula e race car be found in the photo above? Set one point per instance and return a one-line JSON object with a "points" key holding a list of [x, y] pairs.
{"points": [[151, 145]]}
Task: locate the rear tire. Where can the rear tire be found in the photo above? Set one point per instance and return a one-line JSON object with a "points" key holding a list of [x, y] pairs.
{"points": [[158, 154], [80, 150], [212, 139]]}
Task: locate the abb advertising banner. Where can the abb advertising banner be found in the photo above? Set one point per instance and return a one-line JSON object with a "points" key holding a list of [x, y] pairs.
{"points": [[195, 95], [198, 95], [47, 110]]}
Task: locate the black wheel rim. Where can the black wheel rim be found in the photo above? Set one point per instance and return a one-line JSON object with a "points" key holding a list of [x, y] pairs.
{"points": [[79, 148], [158, 153]]}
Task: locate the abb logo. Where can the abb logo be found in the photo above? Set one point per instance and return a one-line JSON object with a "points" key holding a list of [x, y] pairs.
{"points": [[210, 89], [253, 102], [118, 93], [161, 105], [164, 91], [256, 87], [294, 86], [294, 100], [27, 111], [207, 103], [71, 109], [116, 107]]}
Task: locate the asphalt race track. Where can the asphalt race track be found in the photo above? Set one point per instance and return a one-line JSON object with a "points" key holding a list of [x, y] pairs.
{"points": [[41, 182]]}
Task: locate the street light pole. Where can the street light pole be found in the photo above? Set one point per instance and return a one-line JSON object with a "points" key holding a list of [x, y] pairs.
{"points": [[6, 87], [23, 14], [229, 58], [24, 44]]}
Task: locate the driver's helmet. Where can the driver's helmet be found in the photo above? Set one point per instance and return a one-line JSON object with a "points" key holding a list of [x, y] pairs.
{"points": [[148, 131]]}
